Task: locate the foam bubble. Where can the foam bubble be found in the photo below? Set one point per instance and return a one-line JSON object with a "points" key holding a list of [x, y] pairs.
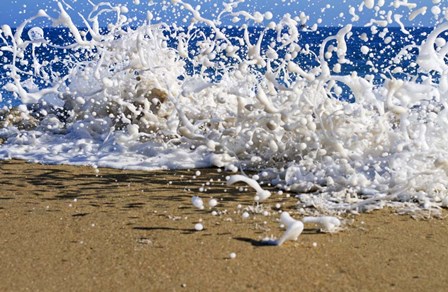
{"points": [[198, 227]]}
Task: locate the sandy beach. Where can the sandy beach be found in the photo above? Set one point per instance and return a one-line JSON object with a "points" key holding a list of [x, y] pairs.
{"points": [[77, 229]]}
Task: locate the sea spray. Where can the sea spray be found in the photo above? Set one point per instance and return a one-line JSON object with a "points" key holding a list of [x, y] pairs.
{"points": [[249, 96]]}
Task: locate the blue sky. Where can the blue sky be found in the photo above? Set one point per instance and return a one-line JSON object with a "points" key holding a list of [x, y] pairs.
{"points": [[13, 12]]}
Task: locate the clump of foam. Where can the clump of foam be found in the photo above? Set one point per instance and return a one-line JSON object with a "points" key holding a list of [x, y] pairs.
{"points": [[326, 223], [198, 227], [293, 228], [197, 202], [212, 203], [260, 195]]}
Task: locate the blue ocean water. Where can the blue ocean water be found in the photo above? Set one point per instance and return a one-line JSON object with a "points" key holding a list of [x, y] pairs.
{"points": [[380, 54]]}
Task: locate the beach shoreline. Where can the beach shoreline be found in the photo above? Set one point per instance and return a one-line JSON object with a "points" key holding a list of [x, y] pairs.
{"points": [[79, 228]]}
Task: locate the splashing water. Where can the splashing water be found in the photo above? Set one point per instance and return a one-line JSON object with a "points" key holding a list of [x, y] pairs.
{"points": [[253, 95]]}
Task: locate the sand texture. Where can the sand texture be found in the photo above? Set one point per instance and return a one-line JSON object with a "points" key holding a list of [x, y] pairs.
{"points": [[66, 228]]}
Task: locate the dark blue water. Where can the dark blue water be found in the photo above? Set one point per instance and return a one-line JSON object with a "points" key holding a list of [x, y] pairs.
{"points": [[381, 55]]}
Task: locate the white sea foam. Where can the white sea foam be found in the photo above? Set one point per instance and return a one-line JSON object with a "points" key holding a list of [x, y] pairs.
{"points": [[130, 99]]}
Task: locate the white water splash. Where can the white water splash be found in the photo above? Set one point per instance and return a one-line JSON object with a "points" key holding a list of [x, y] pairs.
{"points": [[162, 96]]}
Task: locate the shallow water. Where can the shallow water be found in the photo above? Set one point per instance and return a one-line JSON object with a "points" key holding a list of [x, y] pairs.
{"points": [[350, 119]]}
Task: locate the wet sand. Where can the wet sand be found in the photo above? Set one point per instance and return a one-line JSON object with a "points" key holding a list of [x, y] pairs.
{"points": [[74, 229]]}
